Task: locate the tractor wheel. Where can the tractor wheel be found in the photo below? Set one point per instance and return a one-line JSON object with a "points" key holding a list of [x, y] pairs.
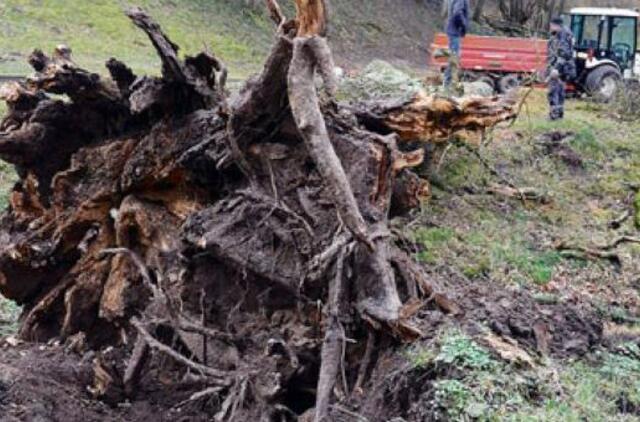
{"points": [[603, 83], [508, 82]]}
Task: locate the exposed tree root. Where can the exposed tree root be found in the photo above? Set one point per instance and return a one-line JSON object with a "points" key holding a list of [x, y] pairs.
{"points": [[436, 119], [157, 217], [333, 344], [309, 53], [366, 361]]}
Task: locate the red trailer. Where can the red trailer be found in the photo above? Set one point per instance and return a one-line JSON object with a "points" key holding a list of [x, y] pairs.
{"points": [[502, 62]]}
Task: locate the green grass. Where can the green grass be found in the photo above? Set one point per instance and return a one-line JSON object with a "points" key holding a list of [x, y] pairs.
{"points": [[636, 209], [9, 312], [605, 389], [241, 35], [468, 383], [98, 30], [8, 178], [494, 249], [507, 242], [504, 240]]}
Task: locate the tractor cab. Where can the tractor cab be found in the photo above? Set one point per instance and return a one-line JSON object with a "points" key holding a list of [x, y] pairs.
{"points": [[606, 48]]}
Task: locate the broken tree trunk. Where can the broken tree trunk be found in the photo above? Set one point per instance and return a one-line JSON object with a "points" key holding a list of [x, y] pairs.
{"points": [[210, 228]]}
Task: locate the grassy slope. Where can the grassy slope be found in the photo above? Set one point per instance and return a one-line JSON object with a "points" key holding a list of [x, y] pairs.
{"points": [[488, 239], [97, 30], [510, 242], [397, 30]]}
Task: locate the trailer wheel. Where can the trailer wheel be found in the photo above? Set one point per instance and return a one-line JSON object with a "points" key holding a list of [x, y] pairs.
{"points": [[487, 80], [508, 82], [603, 82]]}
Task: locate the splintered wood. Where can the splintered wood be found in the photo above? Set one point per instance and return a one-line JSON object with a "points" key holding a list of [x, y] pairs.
{"points": [[154, 215], [438, 119], [311, 17]]}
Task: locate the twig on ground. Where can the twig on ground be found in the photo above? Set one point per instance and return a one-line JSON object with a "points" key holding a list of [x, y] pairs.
{"points": [[135, 365], [354, 415], [596, 251], [525, 194], [199, 395]]}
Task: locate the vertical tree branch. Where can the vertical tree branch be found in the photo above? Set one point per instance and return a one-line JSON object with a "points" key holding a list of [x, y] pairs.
{"points": [[332, 346], [310, 53]]}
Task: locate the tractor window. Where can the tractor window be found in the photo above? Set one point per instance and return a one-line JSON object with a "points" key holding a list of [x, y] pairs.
{"points": [[623, 40], [591, 32], [624, 31], [577, 27]]}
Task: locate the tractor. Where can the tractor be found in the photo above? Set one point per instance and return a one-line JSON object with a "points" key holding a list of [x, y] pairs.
{"points": [[605, 51]]}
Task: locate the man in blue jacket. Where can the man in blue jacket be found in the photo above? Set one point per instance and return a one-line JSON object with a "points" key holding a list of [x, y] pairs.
{"points": [[561, 66], [456, 29]]}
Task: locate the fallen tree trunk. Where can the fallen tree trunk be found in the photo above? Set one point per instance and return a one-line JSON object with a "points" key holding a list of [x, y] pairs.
{"points": [[225, 222]]}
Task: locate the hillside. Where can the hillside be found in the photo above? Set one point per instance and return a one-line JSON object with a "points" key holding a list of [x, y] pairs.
{"points": [[397, 30]]}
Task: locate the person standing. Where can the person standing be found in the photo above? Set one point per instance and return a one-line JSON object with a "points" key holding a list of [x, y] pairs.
{"points": [[456, 29], [561, 66]]}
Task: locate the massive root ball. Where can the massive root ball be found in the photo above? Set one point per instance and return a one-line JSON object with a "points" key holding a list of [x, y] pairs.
{"points": [[157, 212]]}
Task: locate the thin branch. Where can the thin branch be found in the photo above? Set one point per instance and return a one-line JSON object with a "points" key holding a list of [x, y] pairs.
{"points": [[275, 13], [221, 378], [366, 360], [199, 395]]}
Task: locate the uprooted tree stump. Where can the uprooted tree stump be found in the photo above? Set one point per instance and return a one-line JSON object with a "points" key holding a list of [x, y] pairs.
{"points": [[245, 237]]}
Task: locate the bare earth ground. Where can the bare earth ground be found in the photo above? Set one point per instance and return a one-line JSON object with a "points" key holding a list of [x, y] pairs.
{"points": [[567, 329], [49, 382]]}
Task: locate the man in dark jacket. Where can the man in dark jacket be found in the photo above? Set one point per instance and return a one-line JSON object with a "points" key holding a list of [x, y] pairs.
{"points": [[456, 29], [561, 66]]}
